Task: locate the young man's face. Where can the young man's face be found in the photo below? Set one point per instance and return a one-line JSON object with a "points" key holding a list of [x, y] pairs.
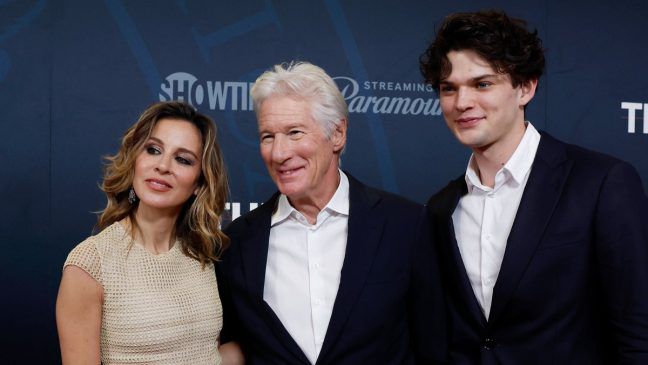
{"points": [[481, 107]]}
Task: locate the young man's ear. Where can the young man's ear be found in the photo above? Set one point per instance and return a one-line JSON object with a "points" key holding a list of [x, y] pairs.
{"points": [[527, 91]]}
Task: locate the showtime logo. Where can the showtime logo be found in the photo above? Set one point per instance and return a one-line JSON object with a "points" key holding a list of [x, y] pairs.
{"points": [[360, 98], [632, 109], [217, 95]]}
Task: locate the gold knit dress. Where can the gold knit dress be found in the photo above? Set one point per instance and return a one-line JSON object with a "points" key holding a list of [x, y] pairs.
{"points": [[157, 309]]}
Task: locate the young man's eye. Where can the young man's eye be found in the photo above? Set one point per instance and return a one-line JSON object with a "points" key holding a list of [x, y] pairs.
{"points": [[446, 88], [483, 84]]}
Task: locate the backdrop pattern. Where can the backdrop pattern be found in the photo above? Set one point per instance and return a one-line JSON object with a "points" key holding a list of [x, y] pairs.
{"points": [[75, 74]]}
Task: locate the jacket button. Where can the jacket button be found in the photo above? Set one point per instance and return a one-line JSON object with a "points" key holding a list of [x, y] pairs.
{"points": [[488, 343]]}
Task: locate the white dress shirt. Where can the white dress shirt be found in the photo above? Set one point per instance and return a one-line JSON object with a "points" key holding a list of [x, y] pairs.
{"points": [[304, 267], [484, 217]]}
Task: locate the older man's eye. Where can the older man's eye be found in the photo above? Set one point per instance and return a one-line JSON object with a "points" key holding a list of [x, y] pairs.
{"points": [[295, 133]]}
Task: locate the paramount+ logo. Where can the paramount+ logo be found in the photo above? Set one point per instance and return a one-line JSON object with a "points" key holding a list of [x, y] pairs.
{"points": [[633, 109], [377, 97]]}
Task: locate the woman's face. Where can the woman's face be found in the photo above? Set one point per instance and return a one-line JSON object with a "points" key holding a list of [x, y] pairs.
{"points": [[168, 168]]}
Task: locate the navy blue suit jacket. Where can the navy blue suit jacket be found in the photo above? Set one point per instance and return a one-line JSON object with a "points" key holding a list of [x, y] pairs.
{"points": [[573, 285], [389, 307]]}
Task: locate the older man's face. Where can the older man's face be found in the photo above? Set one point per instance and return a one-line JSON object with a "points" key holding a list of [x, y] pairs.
{"points": [[300, 158]]}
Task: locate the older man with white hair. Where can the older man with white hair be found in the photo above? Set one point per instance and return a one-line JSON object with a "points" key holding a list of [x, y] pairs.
{"points": [[328, 270]]}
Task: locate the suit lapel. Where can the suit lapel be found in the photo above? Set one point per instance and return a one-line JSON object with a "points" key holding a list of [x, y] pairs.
{"points": [[255, 251], [541, 194], [443, 211], [254, 257], [364, 232]]}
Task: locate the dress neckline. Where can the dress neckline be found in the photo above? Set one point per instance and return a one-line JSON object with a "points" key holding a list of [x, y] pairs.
{"points": [[174, 248]]}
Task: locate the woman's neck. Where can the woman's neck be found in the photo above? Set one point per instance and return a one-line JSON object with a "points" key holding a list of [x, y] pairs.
{"points": [[154, 230]]}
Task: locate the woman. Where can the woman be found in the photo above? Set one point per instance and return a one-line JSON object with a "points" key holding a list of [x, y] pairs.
{"points": [[143, 290]]}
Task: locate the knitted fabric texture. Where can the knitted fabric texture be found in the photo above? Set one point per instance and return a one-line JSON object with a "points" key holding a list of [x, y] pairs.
{"points": [[157, 309]]}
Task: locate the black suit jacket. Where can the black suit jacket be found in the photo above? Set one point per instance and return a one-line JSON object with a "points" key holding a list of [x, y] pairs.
{"points": [[573, 285], [389, 307]]}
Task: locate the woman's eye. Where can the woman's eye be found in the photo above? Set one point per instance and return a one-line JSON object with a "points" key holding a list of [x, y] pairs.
{"points": [[184, 161], [152, 150]]}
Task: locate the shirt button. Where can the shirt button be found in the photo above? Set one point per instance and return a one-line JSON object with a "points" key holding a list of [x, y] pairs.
{"points": [[488, 343]]}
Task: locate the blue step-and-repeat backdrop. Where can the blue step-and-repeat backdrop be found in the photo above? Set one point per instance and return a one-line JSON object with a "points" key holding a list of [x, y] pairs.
{"points": [[74, 74]]}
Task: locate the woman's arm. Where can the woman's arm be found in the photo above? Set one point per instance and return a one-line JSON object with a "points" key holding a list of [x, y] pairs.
{"points": [[78, 317], [231, 354]]}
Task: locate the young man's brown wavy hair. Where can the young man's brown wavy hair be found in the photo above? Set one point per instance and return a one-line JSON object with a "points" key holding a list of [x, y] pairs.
{"points": [[504, 42]]}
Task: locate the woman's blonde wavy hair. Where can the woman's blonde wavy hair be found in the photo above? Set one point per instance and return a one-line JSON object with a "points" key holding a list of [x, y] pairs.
{"points": [[198, 226]]}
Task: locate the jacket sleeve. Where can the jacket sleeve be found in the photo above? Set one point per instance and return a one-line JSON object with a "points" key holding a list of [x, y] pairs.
{"points": [[229, 316], [427, 310], [621, 234]]}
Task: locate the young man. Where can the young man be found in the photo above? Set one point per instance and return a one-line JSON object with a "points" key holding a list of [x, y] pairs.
{"points": [[543, 245]]}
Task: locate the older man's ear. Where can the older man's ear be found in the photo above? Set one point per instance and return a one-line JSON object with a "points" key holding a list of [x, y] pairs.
{"points": [[339, 136]]}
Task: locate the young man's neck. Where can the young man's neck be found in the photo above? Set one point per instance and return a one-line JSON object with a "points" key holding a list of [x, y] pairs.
{"points": [[490, 159]]}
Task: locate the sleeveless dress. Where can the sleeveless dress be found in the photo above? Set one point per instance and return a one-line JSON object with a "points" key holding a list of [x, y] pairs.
{"points": [[158, 309]]}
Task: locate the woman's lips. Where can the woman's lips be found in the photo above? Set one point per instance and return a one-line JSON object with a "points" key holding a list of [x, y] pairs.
{"points": [[158, 185]]}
